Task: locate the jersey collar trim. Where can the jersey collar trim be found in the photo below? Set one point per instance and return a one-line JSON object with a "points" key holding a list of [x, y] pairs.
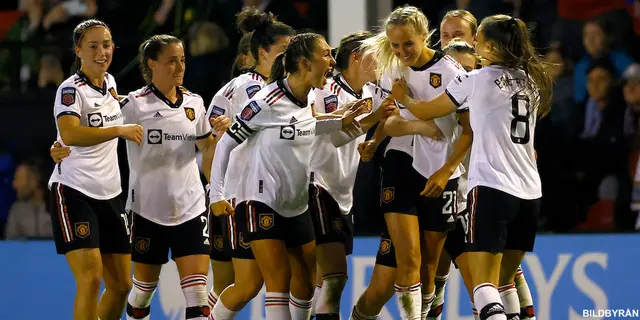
{"points": [[256, 73], [165, 99], [290, 96], [84, 78], [345, 86], [436, 57]]}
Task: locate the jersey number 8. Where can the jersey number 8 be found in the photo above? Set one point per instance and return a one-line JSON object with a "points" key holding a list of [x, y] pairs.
{"points": [[517, 101]]}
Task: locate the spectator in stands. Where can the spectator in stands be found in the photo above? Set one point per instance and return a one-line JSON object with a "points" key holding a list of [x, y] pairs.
{"points": [[564, 110], [66, 9], [51, 74], [28, 216], [632, 85], [597, 39]]}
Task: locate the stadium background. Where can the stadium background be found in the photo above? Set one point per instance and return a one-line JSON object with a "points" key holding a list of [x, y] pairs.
{"points": [[587, 248]]}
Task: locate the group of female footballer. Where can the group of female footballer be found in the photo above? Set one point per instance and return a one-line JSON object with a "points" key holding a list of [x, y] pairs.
{"points": [[281, 145]]}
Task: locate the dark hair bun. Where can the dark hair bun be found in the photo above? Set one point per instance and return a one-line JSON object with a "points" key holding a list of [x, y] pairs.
{"points": [[251, 19]]}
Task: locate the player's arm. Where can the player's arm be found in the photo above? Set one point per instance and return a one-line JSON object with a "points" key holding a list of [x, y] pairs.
{"points": [[205, 141], [440, 106]]}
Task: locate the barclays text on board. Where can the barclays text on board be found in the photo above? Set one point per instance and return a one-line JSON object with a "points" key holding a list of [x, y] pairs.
{"points": [[571, 277]]}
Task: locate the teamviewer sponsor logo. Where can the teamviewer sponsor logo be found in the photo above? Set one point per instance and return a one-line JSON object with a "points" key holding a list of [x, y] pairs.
{"points": [[95, 119], [288, 132], [154, 136]]}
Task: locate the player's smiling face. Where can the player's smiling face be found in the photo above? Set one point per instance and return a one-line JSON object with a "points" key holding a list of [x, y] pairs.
{"points": [[455, 27], [95, 50], [406, 44], [170, 66], [322, 64]]}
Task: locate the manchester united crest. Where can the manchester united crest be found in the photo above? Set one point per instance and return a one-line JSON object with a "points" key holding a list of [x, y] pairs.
{"points": [[243, 243], [190, 113], [388, 194], [385, 246], [266, 221], [336, 224], [113, 93], [82, 229], [218, 243], [142, 244], [435, 80]]}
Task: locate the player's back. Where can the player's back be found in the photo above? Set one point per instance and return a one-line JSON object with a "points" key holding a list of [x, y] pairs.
{"points": [[503, 119]]}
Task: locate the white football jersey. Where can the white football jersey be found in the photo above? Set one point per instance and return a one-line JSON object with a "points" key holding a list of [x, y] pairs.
{"points": [[503, 119], [334, 169], [426, 83], [229, 101], [164, 180], [91, 170], [278, 131]]}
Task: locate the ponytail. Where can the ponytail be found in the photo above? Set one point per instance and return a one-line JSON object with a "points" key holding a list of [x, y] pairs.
{"points": [[514, 50], [277, 69]]}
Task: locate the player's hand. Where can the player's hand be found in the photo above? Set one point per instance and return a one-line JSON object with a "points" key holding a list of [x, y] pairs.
{"points": [[353, 129], [367, 150], [399, 89], [354, 110], [387, 107], [436, 183], [221, 124], [221, 208], [429, 129], [131, 132], [58, 152]]}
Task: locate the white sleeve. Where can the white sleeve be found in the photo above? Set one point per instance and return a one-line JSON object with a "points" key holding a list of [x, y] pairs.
{"points": [[129, 110], [203, 128], [328, 126], [247, 90], [67, 101], [460, 89], [219, 167]]}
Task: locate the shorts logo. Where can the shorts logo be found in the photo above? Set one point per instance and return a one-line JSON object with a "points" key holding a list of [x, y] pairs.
{"points": [[82, 229], [243, 243], [114, 94], [336, 224], [250, 111], [190, 113], [388, 194], [288, 132], [252, 90], [142, 244], [154, 136], [385, 246], [435, 80], [330, 103], [266, 221], [218, 243], [95, 119], [68, 96]]}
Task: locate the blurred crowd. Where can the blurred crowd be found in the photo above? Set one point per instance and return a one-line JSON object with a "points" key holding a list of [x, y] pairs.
{"points": [[587, 147]]}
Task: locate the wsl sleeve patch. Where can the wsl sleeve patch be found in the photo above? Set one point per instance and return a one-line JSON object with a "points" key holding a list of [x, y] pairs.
{"points": [[250, 111], [68, 96], [215, 112], [252, 90], [330, 103]]}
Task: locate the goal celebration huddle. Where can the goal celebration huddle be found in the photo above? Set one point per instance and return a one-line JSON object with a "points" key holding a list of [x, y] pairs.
{"points": [[448, 128]]}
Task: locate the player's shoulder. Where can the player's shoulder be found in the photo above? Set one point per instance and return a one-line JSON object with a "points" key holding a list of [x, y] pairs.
{"points": [[375, 90], [250, 82], [141, 93], [111, 81], [74, 82], [268, 93]]}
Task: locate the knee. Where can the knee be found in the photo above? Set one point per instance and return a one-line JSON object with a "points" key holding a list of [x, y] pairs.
{"points": [[409, 261], [248, 291], [89, 280], [120, 287]]}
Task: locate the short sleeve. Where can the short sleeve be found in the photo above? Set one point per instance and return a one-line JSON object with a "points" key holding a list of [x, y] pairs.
{"points": [[253, 117], [68, 101], [129, 111], [247, 90], [220, 106], [460, 89], [377, 95], [325, 102], [203, 128]]}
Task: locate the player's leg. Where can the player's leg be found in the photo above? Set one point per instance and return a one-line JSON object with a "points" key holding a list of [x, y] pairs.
{"points": [[115, 247], [435, 213], [380, 288], [190, 250], [524, 294], [220, 257], [76, 235], [442, 275], [490, 211], [334, 241], [398, 198], [149, 252], [248, 279], [302, 259], [267, 238], [520, 239]]}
